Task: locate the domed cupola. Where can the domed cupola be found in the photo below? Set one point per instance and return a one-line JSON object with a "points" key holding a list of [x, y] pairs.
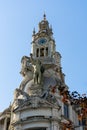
{"points": [[44, 25]]}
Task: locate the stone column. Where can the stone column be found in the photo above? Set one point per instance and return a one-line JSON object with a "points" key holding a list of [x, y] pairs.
{"points": [[5, 123], [45, 52], [39, 52], [54, 125]]}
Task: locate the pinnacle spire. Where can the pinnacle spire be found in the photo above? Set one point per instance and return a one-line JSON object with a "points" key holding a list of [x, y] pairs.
{"points": [[34, 31]]}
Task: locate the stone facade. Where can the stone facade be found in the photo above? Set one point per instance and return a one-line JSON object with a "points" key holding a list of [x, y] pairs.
{"points": [[38, 103]]}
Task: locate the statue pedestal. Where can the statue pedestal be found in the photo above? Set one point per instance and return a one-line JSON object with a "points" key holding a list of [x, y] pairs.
{"points": [[36, 89], [33, 89]]}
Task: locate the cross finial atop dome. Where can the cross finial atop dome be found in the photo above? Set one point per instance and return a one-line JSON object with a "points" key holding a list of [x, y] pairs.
{"points": [[44, 16]]}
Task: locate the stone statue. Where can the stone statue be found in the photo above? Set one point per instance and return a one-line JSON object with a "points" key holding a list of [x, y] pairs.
{"points": [[38, 71], [49, 95], [19, 92], [26, 65]]}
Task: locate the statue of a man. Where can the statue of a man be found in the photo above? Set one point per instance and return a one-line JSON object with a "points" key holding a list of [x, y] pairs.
{"points": [[38, 70]]}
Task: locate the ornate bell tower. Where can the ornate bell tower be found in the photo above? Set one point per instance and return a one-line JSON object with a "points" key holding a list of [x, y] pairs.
{"points": [[43, 44], [44, 47]]}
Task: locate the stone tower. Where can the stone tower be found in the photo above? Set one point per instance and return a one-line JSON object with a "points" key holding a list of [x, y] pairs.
{"points": [[38, 102]]}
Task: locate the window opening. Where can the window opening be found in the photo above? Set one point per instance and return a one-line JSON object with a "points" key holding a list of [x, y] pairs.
{"points": [[42, 52], [46, 51], [37, 52], [66, 110]]}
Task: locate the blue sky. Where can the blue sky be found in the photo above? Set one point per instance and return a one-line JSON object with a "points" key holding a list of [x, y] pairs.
{"points": [[17, 20]]}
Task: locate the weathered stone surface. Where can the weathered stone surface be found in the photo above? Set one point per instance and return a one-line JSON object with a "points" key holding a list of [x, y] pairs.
{"points": [[37, 103]]}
